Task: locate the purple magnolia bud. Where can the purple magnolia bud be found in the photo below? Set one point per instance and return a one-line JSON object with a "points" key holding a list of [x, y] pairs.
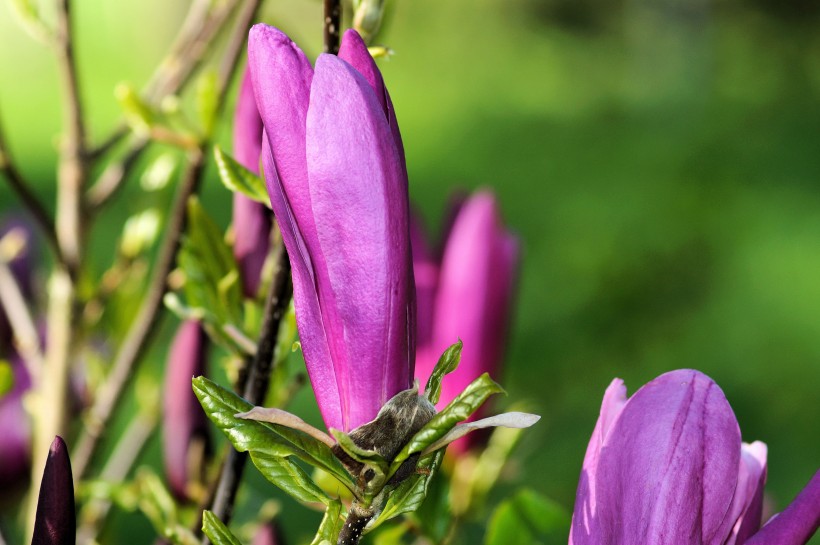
{"points": [[185, 424], [15, 446], [55, 522], [667, 466], [473, 294], [251, 220], [334, 168]]}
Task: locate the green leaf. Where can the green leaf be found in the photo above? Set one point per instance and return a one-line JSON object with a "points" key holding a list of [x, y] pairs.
{"points": [[260, 438], [409, 495], [458, 410], [211, 286], [207, 100], [528, 518], [6, 378], [139, 115], [238, 178], [331, 524], [447, 363], [156, 503], [289, 477], [216, 531]]}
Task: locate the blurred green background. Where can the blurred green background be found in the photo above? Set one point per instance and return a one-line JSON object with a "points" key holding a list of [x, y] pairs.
{"points": [[660, 161]]}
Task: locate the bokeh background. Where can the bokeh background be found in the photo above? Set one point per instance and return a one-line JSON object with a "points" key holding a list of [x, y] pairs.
{"points": [[660, 161]]}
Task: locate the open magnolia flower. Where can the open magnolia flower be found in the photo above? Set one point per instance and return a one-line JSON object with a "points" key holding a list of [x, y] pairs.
{"points": [[667, 466]]}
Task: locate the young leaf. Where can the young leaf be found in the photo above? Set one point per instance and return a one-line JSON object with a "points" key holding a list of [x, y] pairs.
{"points": [[211, 275], [206, 100], [139, 115], [156, 503], [506, 420], [271, 440], [273, 415], [409, 495], [237, 178], [216, 531], [458, 410], [447, 363], [331, 524], [289, 477], [528, 518]]}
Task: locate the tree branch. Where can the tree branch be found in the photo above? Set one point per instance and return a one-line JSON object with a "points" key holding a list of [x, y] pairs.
{"points": [[51, 390], [25, 332], [256, 381], [30, 201], [144, 325]]}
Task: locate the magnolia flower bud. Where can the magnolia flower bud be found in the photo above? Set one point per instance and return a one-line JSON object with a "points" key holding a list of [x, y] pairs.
{"points": [[185, 426], [467, 296], [335, 172], [55, 522]]}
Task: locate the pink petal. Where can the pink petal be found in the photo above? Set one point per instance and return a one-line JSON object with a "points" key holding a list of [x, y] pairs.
{"points": [[668, 467], [357, 187]]}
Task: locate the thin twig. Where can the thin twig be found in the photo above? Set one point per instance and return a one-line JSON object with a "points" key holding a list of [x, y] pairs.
{"points": [[145, 324], [26, 195], [73, 167], [113, 139], [13, 301], [113, 176], [256, 383], [332, 26], [186, 54]]}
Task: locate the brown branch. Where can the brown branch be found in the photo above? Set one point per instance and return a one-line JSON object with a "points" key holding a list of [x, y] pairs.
{"points": [[73, 167], [26, 195], [145, 324], [332, 26]]}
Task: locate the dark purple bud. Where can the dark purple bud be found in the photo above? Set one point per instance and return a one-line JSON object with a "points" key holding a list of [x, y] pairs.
{"points": [[15, 445], [55, 523], [185, 427]]}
